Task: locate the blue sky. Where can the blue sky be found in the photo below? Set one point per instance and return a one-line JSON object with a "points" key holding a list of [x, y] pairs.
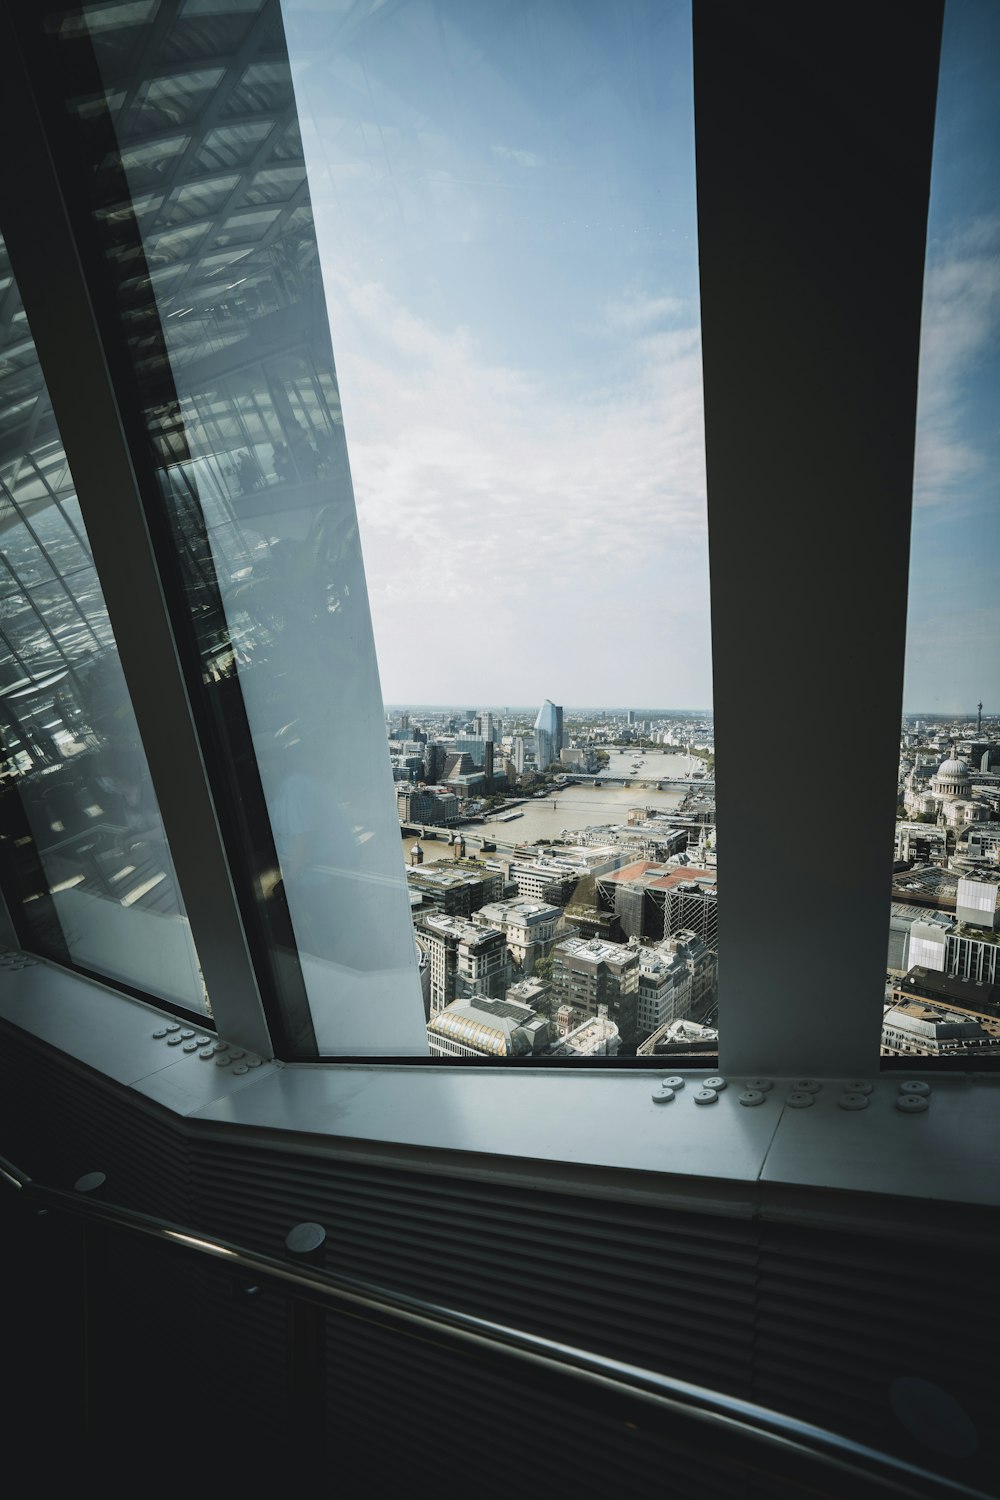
{"points": [[953, 636], [505, 207], [505, 204]]}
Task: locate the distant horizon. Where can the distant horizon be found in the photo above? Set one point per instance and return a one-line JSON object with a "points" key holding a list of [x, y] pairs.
{"points": [[532, 708], [461, 705]]}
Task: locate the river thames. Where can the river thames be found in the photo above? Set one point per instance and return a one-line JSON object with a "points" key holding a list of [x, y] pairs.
{"points": [[575, 807]]}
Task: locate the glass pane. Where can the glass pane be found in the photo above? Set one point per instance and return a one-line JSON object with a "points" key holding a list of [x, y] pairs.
{"points": [[505, 210], [942, 982], [506, 228], [223, 322], [86, 865]]}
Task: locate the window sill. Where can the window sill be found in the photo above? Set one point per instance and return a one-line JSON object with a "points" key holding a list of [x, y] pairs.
{"points": [[605, 1122]]}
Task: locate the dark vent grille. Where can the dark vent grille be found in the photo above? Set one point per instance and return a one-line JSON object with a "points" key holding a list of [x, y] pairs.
{"points": [[478, 1431], [840, 1317], [58, 1120], [672, 1291]]}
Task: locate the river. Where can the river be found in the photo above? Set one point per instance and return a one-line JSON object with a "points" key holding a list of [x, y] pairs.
{"points": [[575, 807]]}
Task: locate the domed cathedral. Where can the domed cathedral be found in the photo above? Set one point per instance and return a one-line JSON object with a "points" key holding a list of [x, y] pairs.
{"points": [[950, 794], [952, 779]]}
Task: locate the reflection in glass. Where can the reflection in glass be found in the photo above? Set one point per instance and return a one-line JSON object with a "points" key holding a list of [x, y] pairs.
{"points": [[84, 853], [220, 307]]}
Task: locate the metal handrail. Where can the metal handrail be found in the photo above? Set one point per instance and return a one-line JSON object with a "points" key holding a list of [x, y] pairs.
{"points": [[728, 1415]]}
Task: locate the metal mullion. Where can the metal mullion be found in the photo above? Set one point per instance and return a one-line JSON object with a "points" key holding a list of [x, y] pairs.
{"points": [[813, 177], [234, 65], [246, 175], [28, 592], [41, 244], [57, 576]]}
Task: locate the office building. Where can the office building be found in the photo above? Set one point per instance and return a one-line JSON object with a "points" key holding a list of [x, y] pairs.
{"points": [[589, 973], [528, 926], [597, 1036], [664, 989], [465, 959], [482, 1027]]}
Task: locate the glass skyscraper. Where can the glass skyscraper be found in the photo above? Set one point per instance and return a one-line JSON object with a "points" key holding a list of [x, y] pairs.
{"points": [[548, 734]]}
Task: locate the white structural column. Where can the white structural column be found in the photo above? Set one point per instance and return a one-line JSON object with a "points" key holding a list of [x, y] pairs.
{"points": [[813, 133]]}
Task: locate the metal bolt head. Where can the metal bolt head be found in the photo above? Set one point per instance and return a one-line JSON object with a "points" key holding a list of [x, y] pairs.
{"points": [[90, 1182], [915, 1086], [912, 1104], [853, 1101], [750, 1097], [706, 1096], [305, 1239], [799, 1099]]}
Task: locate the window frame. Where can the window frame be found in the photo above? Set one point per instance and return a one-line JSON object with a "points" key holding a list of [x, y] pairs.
{"points": [[770, 1019]]}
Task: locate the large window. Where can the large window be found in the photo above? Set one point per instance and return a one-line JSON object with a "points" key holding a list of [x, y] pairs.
{"points": [[511, 839], [505, 213], [942, 995], [86, 865]]}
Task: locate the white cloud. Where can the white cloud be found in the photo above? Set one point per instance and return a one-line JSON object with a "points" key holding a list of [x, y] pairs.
{"points": [[633, 314], [494, 508], [521, 158], [961, 320]]}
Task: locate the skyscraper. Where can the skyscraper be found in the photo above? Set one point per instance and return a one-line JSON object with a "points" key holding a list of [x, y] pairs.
{"points": [[548, 734]]}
